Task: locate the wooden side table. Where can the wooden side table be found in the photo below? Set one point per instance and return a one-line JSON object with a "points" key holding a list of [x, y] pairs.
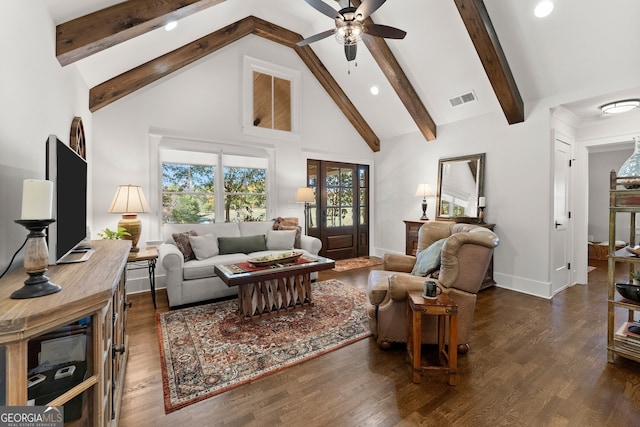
{"points": [[145, 258], [446, 310]]}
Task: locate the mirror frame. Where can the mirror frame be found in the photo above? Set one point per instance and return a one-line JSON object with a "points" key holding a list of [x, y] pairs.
{"points": [[480, 158]]}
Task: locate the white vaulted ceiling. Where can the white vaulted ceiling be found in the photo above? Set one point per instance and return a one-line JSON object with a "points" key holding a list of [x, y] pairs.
{"points": [[585, 53]]}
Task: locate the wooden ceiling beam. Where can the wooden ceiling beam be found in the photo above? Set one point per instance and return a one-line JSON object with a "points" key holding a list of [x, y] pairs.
{"points": [[399, 81], [485, 39], [92, 33], [343, 102], [132, 80], [289, 38]]}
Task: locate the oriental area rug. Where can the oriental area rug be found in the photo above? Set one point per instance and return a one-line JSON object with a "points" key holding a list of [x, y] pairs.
{"points": [[353, 263], [206, 350]]}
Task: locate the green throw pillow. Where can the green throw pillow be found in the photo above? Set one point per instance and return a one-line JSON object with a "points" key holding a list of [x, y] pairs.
{"points": [[428, 260], [245, 245]]}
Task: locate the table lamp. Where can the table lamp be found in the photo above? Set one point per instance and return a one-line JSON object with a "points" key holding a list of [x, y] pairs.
{"points": [[424, 191], [129, 201], [305, 195]]}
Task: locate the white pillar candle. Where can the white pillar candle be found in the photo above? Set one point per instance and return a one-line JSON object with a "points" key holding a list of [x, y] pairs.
{"points": [[37, 199], [482, 202]]}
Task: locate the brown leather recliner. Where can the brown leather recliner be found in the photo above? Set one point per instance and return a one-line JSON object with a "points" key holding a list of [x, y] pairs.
{"points": [[465, 257]]}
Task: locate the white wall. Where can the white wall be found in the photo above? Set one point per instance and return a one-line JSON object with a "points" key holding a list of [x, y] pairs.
{"points": [[38, 98], [203, 104], [600, 166], [517, 185], [597, 136]]}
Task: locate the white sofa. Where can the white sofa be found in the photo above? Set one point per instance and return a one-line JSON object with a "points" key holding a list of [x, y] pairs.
{"points": [[195, 280]]}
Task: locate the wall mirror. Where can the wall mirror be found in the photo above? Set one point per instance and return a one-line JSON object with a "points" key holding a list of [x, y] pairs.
{"points": [[460, 183]]}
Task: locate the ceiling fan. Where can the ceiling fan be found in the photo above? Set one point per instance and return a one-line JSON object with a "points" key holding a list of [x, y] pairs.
{"points": [[350, 26]]}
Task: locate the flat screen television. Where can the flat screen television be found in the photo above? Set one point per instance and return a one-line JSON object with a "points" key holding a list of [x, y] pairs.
{"points": [[68, 171]]}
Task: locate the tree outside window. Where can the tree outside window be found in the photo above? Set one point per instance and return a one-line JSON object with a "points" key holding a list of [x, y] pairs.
{"points": [[245, 197], [339, 185], [188, 194]]}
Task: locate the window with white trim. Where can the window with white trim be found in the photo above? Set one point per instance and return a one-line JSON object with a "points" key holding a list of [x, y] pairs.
{"points": [[271, 100], [208, 187]]}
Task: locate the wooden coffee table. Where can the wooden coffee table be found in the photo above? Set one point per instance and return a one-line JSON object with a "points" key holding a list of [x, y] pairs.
{"points": [[273, 290]]}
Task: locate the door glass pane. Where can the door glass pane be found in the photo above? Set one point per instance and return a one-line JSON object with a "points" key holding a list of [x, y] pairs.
{"points": [[312, 176], [312, 182], [363, 216], [346, 216], [363, 197], [363, 177], [340, 203], [346, 178]]}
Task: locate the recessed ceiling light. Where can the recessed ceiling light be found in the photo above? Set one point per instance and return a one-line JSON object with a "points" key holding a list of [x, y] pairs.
{"points": [[171, 25], [374, 90], [620, 106], [543, 8]]}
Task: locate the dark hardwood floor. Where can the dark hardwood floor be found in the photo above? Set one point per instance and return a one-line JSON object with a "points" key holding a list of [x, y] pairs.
{"points": [[533, 362]]}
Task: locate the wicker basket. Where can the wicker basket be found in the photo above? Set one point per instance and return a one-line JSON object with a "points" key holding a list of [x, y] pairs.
{"points": [[600, 250]]}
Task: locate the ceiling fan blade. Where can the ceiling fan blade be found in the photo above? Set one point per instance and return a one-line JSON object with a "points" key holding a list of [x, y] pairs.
{"points": [[324, 8], [367, 7], [317, 37], [385, 31], [350, 51]]}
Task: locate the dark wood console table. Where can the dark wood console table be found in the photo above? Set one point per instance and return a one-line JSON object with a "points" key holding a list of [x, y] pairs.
{"points": [[411, 246]]}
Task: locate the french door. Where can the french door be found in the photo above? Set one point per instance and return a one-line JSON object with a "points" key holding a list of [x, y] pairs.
{"points": [[339, 217]]}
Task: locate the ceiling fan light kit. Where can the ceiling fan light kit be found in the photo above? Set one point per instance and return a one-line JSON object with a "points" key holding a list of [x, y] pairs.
{"points": [[618, 107], [350, 25]]}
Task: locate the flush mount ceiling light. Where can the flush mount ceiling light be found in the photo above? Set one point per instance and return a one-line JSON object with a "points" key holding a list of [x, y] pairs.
{"points": [[171, 25], [618, 107], [374, 90], [544, 8]]}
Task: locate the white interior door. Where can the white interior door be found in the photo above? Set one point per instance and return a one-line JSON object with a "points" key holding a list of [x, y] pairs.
{"points": [[561, 238]]}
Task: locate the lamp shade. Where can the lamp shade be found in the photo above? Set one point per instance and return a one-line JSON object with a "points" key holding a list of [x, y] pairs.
{"points": [[424, 190], [129, 199], [305, 195]]}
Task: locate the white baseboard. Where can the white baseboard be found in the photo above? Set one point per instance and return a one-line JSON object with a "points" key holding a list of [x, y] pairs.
{"points": [[523, 285]]}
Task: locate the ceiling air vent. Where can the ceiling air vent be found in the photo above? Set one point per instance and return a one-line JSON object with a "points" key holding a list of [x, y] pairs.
{"points": [[463, 99]]}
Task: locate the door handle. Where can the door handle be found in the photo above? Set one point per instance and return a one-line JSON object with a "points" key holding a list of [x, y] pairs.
{"points": [[558, 224]]}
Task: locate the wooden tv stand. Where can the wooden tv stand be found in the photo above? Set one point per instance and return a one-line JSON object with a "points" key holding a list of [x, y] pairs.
{"points": [[91, 305]]}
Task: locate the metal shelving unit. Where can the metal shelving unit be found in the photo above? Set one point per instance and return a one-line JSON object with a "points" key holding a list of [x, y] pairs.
{"points": [[621, 201]]}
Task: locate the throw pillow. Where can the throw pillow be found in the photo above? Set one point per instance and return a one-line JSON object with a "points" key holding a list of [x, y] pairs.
{"points": [[204, 246], [428, 260], [290, 223], [245, 245], [280, 239], [183, 243]]}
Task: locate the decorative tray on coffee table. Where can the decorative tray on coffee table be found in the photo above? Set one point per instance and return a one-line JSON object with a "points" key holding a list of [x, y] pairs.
{"points": [[283, 258]]}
